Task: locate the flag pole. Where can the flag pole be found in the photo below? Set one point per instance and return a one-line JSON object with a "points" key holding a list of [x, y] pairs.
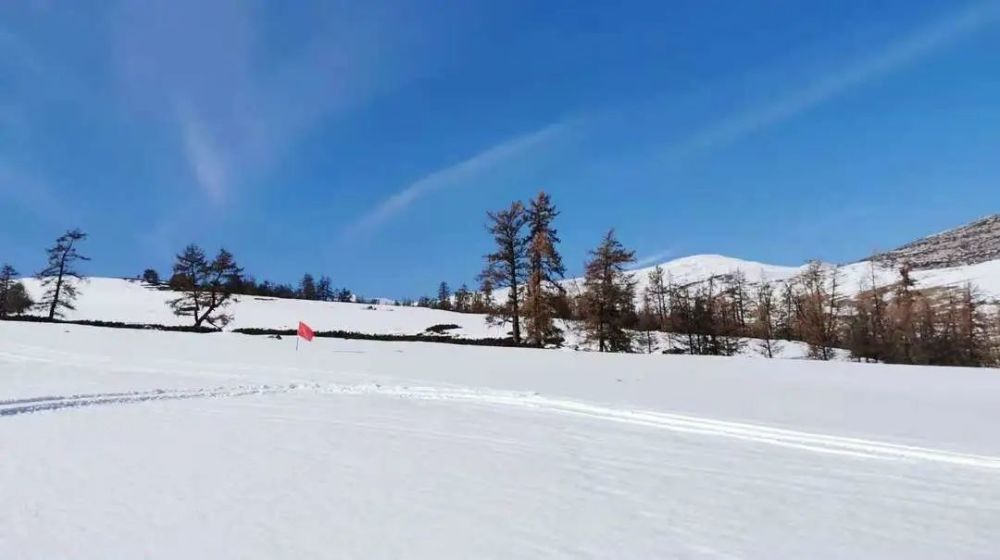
{"points": [[296, 343]]}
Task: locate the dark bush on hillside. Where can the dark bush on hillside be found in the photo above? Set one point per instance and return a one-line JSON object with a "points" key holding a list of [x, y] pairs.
{"points": [[439, 329], [348, 335]]}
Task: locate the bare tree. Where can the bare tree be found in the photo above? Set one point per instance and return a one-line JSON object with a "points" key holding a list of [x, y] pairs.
{"points": [[648, 318], [764, 319], [204, 285], [658, 294], [507, 266], [737, 292], [57, 276], [819, 307]]}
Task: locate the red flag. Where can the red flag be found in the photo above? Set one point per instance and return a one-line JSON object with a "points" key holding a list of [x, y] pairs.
{"points": [[305, 331]]}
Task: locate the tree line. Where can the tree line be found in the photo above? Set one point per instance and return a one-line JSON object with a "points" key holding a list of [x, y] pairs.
{"points": [[894, 323], [722, 315]]}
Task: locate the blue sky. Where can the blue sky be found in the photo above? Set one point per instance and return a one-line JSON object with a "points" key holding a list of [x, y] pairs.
{"points": [[366, 140]]}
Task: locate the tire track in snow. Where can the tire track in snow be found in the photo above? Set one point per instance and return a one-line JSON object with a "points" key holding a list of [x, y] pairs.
{"points": [[43, 404], [755, 433], [678, 423]]}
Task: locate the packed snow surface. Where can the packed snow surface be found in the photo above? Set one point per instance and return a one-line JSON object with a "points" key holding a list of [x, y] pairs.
{"points": [[140, 444]]}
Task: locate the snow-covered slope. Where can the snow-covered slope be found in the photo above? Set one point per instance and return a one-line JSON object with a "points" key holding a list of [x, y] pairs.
{"points": [[140, 444], [129, 301], [699, 268]]}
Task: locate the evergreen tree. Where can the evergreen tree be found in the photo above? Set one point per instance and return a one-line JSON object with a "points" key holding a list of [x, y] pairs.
{"points": [[324, 289], [608, 299], [57, 278], [17, 301], [507, 266], [151, 277], [14, 299], [307, 287], [444, 296], [204, 285], [483, 299], [545, 269], [7, 279], [463, 299]]}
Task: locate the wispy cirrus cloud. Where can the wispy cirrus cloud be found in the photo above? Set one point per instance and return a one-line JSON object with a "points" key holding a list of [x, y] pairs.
{"points": [[655, 258], [237, 105], [210, 169], [452, 176], [835, 82]]}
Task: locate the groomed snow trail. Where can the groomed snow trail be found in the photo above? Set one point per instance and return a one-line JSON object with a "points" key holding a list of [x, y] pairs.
{"points": [[819, 443]]}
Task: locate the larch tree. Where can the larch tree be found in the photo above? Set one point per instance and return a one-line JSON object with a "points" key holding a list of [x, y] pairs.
{"points": [[877, 315], [204, 286], [902, 317], [608, 299], [59, 275], [507, 266], [545, 269]]}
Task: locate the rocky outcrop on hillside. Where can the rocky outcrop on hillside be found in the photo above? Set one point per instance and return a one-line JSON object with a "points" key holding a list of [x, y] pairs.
{"points": [[970, 244]]}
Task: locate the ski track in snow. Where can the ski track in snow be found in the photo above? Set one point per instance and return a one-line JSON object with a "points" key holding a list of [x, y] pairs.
{"points": [[754, 433]]}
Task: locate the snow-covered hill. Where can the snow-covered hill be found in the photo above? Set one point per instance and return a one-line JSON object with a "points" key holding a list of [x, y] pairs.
{"points": [[967, 254], [699, 268], [130, 301], [144, 444]]}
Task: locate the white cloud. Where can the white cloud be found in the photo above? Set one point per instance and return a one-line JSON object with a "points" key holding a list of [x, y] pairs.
{"points": [[246, 104], [654, 259], [450, 177], [207, 163], [894, 56]]}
